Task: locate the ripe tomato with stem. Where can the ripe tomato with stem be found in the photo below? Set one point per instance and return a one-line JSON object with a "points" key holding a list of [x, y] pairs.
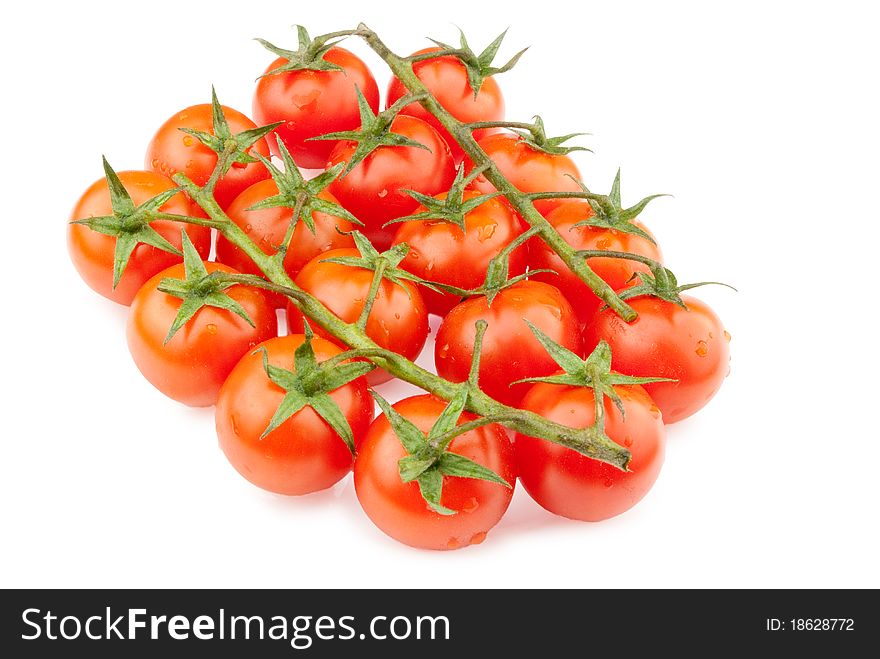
{"points": [[286, 412]]}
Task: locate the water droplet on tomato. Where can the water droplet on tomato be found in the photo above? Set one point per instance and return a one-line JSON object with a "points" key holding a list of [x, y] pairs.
{"points": [[627, 442], [702, 348], [477, 538], [486, 232], [655, 411], [443, 351], [608, 482], [188, 140], [397, 316], [247, 228], [453, 543], [471, 505], [211, 327], [727, 336], [235, 426], [603, 243], [154, 163], [383, 193]]}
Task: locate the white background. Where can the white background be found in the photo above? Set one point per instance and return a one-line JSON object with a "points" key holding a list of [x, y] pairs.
{"points": [[761, 119]]}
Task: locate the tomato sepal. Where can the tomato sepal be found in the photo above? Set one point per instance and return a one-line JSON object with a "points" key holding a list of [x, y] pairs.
{"points": [[594, 372], [230, 148], [429, 459], [478, 67], [310, 384], [198, 289], [309, 56], [375, 130], [453, 207], [384, 264], [301, 196], [130, 224]]}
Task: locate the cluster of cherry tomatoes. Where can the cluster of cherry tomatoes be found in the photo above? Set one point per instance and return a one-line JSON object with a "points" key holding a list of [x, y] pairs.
{"points": [[292, 422]]}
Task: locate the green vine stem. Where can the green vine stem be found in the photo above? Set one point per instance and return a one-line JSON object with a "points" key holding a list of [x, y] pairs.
{"points": [[588, 441], [462, 133]]}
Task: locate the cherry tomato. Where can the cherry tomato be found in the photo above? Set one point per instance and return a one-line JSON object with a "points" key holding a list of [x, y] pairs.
{"points": [[373, 190], [191, 367], [446, 78], [267, 226], [398, 320], [689, 345], [572, 485], [615, 272], [440, 251], [313, 103], [302, 455], [527, 168], [398, 508], [92, 253], [510, 350], [171, 151]]}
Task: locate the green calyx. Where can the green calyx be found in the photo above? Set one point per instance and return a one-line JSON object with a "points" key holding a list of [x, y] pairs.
{"points": [[230, 149], [594, 372], [497, 272], [129, 224], [301, 196], [661, 283], [429, 458], [535, 136], [309, 56], [384, 263], [375, 130], [608, 212], [309, 384], [479, 67], [453, 208], [198, 289]]}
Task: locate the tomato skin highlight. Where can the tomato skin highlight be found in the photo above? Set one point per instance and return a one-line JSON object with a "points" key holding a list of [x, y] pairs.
{"points": [[510, 350], [446, 78], [441, 252], [398, 508], [92, 252], [302, 455], [528, 169], [312, 103], [572, 485], [689, 345], [615, 272], [398, 320], [267, 226], [192, 366], [172, 151], [373, 190]]}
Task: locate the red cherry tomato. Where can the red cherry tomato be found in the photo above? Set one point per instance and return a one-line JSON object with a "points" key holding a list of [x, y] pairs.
{"points": [[398, 320], [398, 508], [441, 252], [689, 345], [191, 367], [92, 253], [302, 455], [527, 168], [171, 151], [373, 190], [267, 226], [572, 485], [615, 272], [446, 78], [510, 350], [312, 103]]}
